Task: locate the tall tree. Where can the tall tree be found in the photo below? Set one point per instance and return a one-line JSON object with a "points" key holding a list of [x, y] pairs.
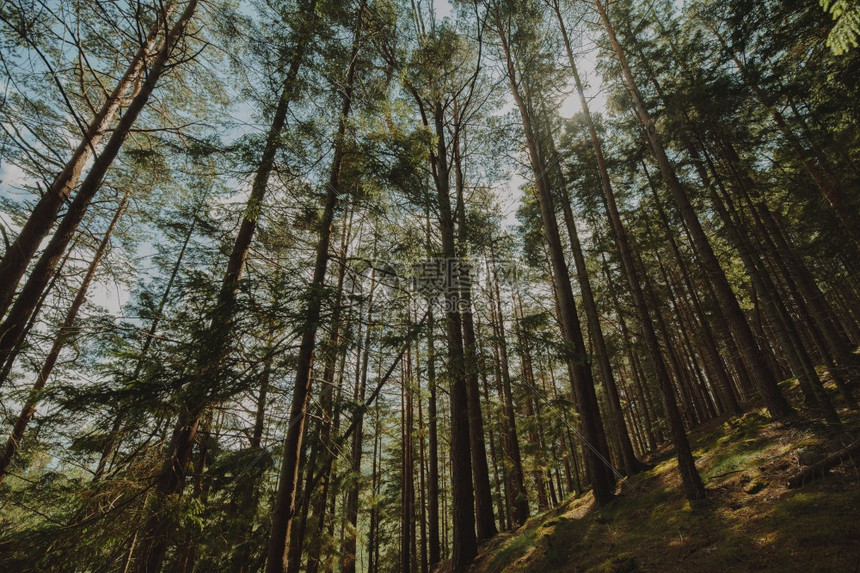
{"points": [[131, 83], [285, 501], [203, 389], [602, 478]]}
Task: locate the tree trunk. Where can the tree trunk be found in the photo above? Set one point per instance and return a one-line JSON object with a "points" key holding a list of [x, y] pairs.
{"points": [[484, 519], [777, 315], [465, 542], [433, 451], [709, 344], [207, 378], [631, 464], [532, 409], [41, 219], [373, 530], [59, 342], [422, 485], [328, 403], [602, 479], [12, 356], [357, 449], [407, 478], [516, 489], [500, 504]]}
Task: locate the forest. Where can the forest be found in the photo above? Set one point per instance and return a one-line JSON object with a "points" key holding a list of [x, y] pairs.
{"points": [[390, 286]]}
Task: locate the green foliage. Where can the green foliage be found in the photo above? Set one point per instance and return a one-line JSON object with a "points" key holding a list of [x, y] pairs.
{"points": [[846, 14], [156, 336]]}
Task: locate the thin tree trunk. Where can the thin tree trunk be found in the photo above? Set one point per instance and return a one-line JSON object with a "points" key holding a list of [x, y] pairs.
{"points": [[613, 401], [62, 337], [699, 389], [519, 503], [328, 402], [777, 315], [494, 458], [433, 447], [114, 436], [532, 408], [242, 553], [373, 530], [422, 481], [20, 345], [407, 478], [645, 403], [835, 348], [357, 449]]}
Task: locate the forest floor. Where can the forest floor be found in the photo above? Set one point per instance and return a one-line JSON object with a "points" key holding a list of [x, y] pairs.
{"points": [[751, 522]]}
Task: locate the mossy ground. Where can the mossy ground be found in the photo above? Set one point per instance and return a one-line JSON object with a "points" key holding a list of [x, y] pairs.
{"points": [[751, 522]]}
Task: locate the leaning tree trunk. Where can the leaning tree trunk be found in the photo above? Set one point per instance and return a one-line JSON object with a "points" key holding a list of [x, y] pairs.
{"points": [[613, 400], [721, 379], [597, 456], [41, 219], [12, 355], [815, 312], [693, 487], [171, 480], [774, 309], [59, 342], [28, 298]]}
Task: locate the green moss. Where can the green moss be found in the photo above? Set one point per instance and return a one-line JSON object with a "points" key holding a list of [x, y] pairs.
{"points": [[514, 548]]}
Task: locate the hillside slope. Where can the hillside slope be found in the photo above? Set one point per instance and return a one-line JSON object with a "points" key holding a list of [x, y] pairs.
{"points": [[752, 521]]}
